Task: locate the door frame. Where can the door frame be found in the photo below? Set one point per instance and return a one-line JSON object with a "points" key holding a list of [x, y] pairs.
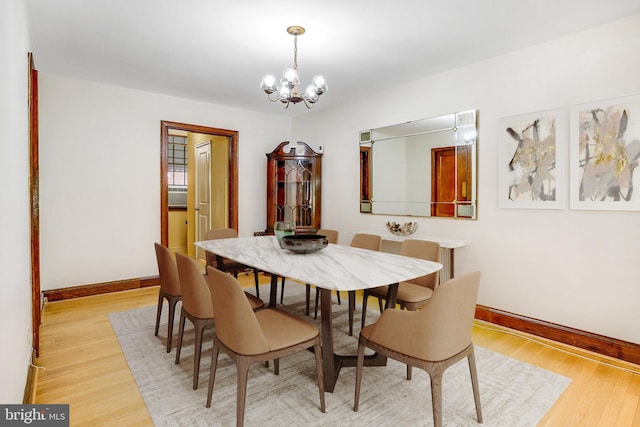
{"points": [[165, 126], [34, 187]]}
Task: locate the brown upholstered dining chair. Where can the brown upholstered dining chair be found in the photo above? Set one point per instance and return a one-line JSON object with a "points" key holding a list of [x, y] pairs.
{"points": [[372, 242], [415, 293], [249, 337], [225, 264], [169, 288], [197, 307], [431, 339]]}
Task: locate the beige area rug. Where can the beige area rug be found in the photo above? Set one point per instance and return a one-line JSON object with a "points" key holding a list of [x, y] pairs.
{"points": [[513, 393]]}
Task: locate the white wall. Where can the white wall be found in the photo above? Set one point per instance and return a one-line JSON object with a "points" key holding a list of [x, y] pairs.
{"points": [[15, 249], [574, 268], [100, 175]]}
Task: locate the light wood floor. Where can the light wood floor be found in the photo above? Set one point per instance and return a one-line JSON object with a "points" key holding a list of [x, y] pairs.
{"points": [[82, 365]]}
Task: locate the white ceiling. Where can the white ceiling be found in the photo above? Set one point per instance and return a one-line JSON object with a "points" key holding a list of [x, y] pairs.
{"points": [[218, 51]]}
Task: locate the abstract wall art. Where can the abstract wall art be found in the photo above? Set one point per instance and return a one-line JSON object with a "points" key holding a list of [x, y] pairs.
{"points": [[604, 154], [530, 160]]}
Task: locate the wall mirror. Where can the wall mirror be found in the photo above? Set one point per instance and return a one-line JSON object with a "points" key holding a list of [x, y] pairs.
{"points": [[421, 168]]}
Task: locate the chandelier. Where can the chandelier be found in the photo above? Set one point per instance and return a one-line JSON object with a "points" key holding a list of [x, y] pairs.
{"points": [[288, 91]]}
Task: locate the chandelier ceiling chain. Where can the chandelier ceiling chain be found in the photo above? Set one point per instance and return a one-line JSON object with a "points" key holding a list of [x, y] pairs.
{"points": [[288, 93]]}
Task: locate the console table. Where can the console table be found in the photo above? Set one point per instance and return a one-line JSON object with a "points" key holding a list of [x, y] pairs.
{"points": [[391, 243]]}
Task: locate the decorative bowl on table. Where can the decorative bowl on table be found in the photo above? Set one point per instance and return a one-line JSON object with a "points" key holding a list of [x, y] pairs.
{"points": [[405, 229], [304, 243]]}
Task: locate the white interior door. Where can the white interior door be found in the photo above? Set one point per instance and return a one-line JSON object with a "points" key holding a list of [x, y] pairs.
{"points": [[203, 192]]}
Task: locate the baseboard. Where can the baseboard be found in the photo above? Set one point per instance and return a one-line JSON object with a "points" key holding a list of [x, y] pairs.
{"points": [[100, 288], [611, 347], [29, 396]]}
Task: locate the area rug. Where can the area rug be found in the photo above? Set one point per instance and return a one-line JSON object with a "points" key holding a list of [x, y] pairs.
{"points": [[513, 393]]}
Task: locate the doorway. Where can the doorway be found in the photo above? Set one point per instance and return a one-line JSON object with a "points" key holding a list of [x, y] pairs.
{"points": [[225, 174]]}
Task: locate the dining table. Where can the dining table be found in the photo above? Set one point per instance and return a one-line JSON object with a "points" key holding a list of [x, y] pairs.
{"points": [[333, 268]]}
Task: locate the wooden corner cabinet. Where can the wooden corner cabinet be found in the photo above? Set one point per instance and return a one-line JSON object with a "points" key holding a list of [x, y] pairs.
{"points": [[293, 186]]}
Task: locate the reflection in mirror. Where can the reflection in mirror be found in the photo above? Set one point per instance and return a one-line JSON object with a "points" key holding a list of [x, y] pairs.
{"points": [[420, 168]]}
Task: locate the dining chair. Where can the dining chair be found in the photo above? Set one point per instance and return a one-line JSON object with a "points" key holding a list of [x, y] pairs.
{"points": [[431, 339], [371, 242], [225, 264], [249, 337], [169, 288], [412, 294], [197, 307]]}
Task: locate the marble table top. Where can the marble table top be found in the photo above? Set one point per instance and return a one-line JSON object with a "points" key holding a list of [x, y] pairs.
{"points": [[336, 267]]}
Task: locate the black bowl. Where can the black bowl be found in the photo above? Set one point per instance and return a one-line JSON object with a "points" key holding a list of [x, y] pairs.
{"points": [[304, 243]]}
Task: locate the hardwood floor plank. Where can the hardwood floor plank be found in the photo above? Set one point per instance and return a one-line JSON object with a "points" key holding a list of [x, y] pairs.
{"points": [[613, 409]]}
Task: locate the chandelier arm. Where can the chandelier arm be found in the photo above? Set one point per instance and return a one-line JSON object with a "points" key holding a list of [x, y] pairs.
{"points": [[274, 100]]}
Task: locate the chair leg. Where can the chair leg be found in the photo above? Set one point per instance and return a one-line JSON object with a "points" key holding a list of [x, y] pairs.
{"points": [[276, 366], [197, 351], [338, 295], [436, 396], [359, 365], [364, 308], [180, 334], [409, 372], [255, 277], [315, 316], [212, 374], [317, 349], [474, 382], [352, 308], [242, 366], [282, 292], [308, 298], [159, 312], [172, 314]]}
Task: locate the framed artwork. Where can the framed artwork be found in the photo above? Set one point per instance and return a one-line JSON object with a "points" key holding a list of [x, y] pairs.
{"points": [[604, 153], [530, 160]]}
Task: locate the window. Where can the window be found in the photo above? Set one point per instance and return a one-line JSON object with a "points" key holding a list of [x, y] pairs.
{"points": [[177, 159]]}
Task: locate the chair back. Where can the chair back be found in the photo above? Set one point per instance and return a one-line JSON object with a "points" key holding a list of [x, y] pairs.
{"points": [[167, 270], [220, 233], [215, 234], [372, 242], [236, 323], [196, 298], [332, 235], [426, 250], [447, 319]]}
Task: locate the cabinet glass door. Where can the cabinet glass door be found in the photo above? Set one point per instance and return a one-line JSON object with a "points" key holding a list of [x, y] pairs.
{"points": [[294, 191]]}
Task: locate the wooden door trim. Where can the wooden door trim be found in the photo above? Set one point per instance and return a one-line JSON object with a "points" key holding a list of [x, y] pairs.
{"points": [[164, 169], [34, 186]]}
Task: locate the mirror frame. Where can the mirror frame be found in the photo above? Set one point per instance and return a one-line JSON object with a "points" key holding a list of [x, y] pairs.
{"points": [[464, 128]]}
